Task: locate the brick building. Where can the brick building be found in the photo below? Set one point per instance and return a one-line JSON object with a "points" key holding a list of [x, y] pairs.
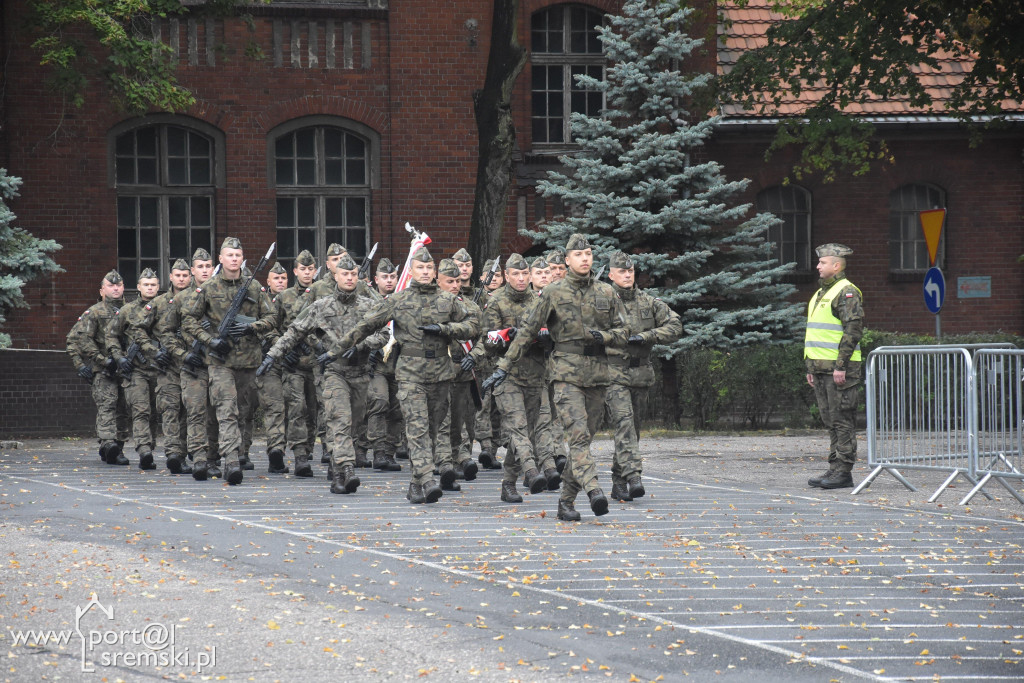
{"points": [[358, 117]]}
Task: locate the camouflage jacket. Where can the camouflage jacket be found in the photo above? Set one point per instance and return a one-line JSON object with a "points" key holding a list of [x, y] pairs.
{"points": [[212, 300], [848, 306], [168, 328], [91, 339], [456, 350], [73, 345], [326, 286], [570, 309], [293, 301], [122, 332], [387, 367], [508, 308], [653, 320], [334, 317], [424, 357]]}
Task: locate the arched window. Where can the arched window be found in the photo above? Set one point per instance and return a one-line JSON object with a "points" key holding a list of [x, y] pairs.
{"points": [[165, 175], [563, 43], [323, 174], [907, 248], [792, 239]]}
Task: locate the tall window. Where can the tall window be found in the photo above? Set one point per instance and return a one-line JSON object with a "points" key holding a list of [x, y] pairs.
{"points": [[563, 43], [165, 177], [907, 248], [323, 179], [792, 239]]}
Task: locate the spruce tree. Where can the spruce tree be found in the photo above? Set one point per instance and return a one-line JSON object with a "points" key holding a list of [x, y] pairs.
{"points": [[22, 256], [641, 183]]}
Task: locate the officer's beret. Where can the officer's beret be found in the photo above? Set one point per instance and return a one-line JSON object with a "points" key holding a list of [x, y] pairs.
{"points": [[577, 242], [556, 256], [180, 264], [385, 266], [305, 258], [423, 255], [336, 249], [833, 249], [346, 263], [539, 263], [201, 255], [516, 262], [620, 259], [147, 273], [278, 268], [113, 277], [230, 243], [448, 267], [462, 255]]}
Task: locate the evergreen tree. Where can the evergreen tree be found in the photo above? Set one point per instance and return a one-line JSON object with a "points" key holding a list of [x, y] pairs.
{"points": [[22, 256], [640, 184]]}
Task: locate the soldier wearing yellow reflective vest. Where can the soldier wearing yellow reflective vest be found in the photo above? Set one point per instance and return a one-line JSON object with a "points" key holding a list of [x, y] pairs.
{"points": [[835, 324]]}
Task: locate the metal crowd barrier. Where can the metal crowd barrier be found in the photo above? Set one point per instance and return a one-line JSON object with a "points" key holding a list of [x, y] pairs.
{"points": [[922, 412]]}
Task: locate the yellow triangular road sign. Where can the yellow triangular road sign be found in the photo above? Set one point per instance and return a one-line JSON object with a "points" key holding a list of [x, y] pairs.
{"points": [[931, 224]]}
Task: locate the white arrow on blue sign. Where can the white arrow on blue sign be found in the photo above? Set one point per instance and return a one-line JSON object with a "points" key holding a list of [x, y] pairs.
{"points": [[934, 290]]}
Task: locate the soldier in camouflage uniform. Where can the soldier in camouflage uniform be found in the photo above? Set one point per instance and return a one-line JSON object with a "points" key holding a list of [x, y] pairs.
{"points": [[112, 422], [270, 387], [193, 377], [385, 428], [345, 375], [552, 438], [488, 418], [583, 317], [651, 322], [425, 318], [835, 325], [233, 359]]}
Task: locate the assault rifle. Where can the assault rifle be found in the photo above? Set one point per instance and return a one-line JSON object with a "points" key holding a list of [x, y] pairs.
{"points": [[364, 268], [487, 279], [600, 272], [133, 353], [228, 320]]}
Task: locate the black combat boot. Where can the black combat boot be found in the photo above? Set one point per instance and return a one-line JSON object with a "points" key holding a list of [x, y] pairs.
{"points": [[389, 464], [432, 492], [816, 481], [447, 474], [245, 463], [174, 462], [467, 470], [233, 473], [567, 511], [837, 479], [535, 481], [553, 477], [349, 479], [302, 466], [560, 463], [114, 454], [214, 469], [636, 486], [486, 459], [402, 454], [363, 460], [509, 493], [275, 458], [200, 470], [146, 460], [325, 456], [103, 450], [415, 494], [337, 482], [598, 502], [619, 490]]}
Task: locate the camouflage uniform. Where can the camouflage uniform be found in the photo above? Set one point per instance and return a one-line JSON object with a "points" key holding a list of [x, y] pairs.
{"points": [[455, 445], [385, 428], [488, 419], [270, 388], [299, 387]]}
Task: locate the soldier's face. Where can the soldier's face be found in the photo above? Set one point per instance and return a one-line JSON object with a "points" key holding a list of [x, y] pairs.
{"points": [[830, 266], [202, 270], [304, 274], [557, 271], [386, 282], [231, 260], [332, 261], [540, 277], [465, 270], [148, 287], [277, 282], [623, 277], [108, 290], [518, 278], [497, 281], [449, 284], [179, 279], [580, 261], [423, 271], [346, 279]]}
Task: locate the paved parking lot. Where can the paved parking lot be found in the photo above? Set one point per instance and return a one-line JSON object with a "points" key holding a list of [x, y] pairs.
{"points": [[730, 568]]}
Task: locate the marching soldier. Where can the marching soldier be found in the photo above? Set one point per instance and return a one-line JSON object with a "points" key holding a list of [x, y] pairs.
{"points": [[556, 262], [385, 427], [488, 418], [464, 262], [270, 387], [324, 287], [583, 317]]}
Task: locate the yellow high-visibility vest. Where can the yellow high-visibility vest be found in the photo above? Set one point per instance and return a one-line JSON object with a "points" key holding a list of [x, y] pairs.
{"points": [[824, 330]]}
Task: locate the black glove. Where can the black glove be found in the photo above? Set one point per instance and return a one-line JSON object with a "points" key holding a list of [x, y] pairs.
{"points": [[512, 332], [85, 372], [124, 366], [194, 359], [598, 337], [320, 349], [544, 336], [348, 353], [219, 346], [493, 381], [324, 359], [636, 339], [291, 359], [268, 362], [205, 324], [467, 364], [432, 328], [376, 356], [110, 365], [237, 329], [163, 357]]}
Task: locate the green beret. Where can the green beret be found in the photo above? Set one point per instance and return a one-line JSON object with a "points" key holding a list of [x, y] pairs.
{"points": [[448, 267], [556, 256], [539, 263], [180, 264], [423, 255], [619, 259], [577, 242], [201, 255], [385, 266], [516, 262], [278, 268], [462, 256], [346, 263], [305, 258], [833, 249], [230, 243], [147, 273], [113, 277], [336, 249]]}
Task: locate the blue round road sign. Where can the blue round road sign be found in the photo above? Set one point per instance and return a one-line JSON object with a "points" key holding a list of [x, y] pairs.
{"points": [[934, 289]]}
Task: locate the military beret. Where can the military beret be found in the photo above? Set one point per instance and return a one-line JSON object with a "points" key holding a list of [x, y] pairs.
{"points": [[346, 262], [448, 267], [556, 256], [278, 268], [833, 249], [620, 259], [180, 264], [201, 255], [113, 277], [385, 266], [230, 243], [516, 262], [305, 258], [423, 255], [147, 273], [336, 249], [462, 255], [539, 263], [577, 242]]}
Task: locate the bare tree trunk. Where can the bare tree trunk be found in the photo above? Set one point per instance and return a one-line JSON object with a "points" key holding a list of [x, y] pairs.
{"points": [[497, 134]]}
